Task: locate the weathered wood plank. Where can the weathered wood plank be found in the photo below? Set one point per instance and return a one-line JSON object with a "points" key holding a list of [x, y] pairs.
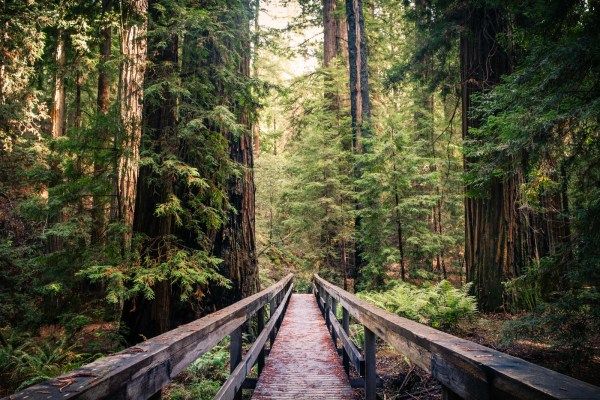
{"points": [[236, 380], [235, 355], [350, 349], [466, 368], [370, 366], [346, 327], [140, 371], [260, 325], [303, 364]]}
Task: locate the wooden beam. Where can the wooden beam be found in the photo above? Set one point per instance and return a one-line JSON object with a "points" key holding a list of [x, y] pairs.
{"points": [[260, 325], [142, 370], [235, 355], [346, 328], [236, 380], [350, 349], [333, 317], [468, 369], [370, 365], [272, 308]]}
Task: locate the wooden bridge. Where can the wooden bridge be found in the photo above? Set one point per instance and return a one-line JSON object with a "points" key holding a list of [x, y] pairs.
{"points": [[296, 354]]}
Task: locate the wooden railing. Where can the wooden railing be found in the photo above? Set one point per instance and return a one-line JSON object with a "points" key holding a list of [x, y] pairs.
{"points": [[466, 370], [140, 372]]}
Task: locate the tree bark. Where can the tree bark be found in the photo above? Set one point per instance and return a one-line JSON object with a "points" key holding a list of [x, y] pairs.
{"points": [[490, 220], [255, 46], [152, 317], [100, 209], [360, 104], [235, 243], [131, 80], [58, 122], [57, 114], [503, 235]]}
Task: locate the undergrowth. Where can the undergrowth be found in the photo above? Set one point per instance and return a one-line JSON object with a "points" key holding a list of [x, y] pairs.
{"points": [[571, 324], [203, 378], [438, 305], [26, 360]]}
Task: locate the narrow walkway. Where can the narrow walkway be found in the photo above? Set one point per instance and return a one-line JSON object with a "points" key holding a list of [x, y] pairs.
{"points": [[303, 363]]}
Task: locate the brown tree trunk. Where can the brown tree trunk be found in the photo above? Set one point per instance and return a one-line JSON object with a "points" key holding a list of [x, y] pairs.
{"points": [[58, 121], [329, 32], [334, 46], [502, 237], [360, 104], [146, 317], [400, 241], [335, 33], [489, 219], [100, 209], [255, 46], [235, 243], [131, 80], [57, 114]]}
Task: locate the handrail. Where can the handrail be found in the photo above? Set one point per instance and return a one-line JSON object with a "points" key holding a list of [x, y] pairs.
{"points": [[465, 369], [139, 372]]}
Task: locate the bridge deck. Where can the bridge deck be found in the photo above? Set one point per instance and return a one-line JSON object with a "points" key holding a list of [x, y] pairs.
{"points": [[303, 363]]}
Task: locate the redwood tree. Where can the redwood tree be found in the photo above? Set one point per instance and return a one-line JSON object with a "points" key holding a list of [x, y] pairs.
{"points": [[131, 95], [360, 103], [235, 243]]}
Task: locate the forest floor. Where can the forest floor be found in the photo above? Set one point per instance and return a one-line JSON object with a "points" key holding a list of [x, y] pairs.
{"points": [[486, 330], [403, 382]]}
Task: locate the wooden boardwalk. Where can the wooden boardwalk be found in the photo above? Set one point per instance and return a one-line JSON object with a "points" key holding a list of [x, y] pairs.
{"points": [[303, 363]]}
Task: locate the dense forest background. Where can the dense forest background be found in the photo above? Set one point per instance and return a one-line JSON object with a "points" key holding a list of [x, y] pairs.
{"points": [[161, 159]]}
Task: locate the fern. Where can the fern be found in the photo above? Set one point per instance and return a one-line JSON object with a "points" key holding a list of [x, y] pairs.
{"points": [[440, 305]]}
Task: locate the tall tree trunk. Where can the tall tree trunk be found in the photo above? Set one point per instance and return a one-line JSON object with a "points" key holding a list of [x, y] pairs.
{"points": [[502, 237], [57, 114], [235, 244], [400, 242], [360, 104], [255, 47], [152, 317], [334, 46], [58, 121], [100, 208], [133, 66], [330, 49], [489, 219]]}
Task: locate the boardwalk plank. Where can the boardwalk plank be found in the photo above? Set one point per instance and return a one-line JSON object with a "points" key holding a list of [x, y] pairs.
{"points": [[303, 363]]}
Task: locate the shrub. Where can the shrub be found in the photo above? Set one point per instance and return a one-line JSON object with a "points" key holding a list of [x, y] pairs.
{"points": [[204, 377], [25, 361], [440, 305], [569, 324]]}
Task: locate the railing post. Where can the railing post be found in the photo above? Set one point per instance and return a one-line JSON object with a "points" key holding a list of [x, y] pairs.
{"points": [[334, 312], [326, 308], [156, 396], [448, 394], [235, 353], [260, 326], [321, 297], [279, 301], [272, 308], [370, 366], [346, 327]]}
